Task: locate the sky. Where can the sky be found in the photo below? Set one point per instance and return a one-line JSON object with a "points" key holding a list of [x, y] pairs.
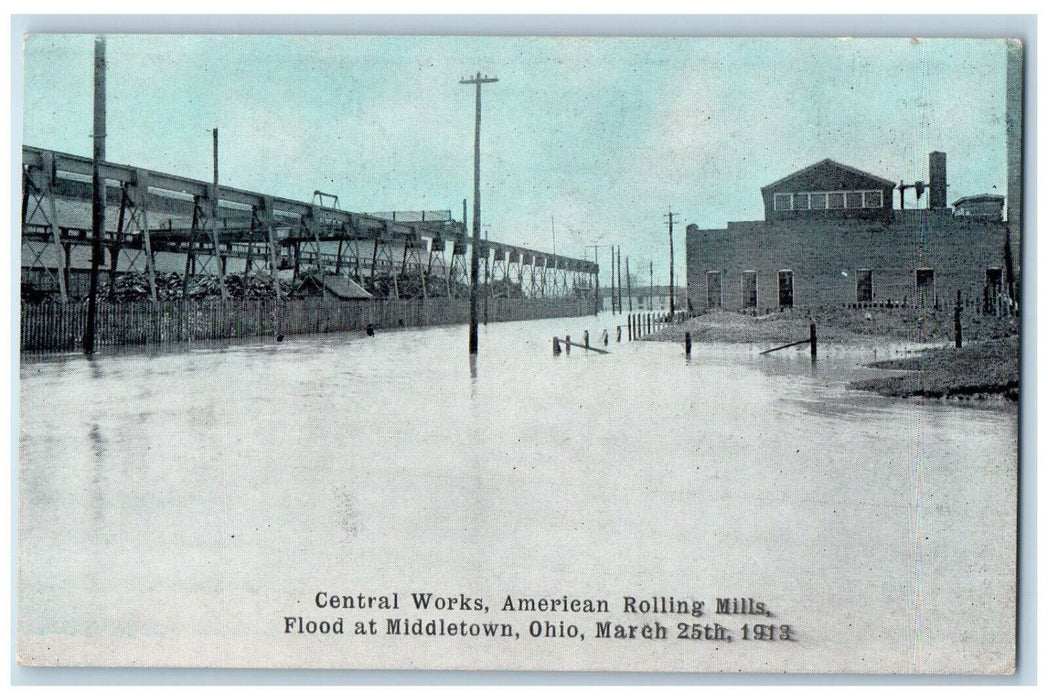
{"points": [[590, 140]]}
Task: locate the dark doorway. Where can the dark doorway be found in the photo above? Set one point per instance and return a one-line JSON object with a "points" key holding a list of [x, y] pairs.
{"points": [[994, 287], [925, 278], [713, 289], [864, 286], [994, 279], [785, 289], [749, 289]]}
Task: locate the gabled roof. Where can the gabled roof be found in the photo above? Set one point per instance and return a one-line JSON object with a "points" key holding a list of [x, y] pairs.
{"points": [[829, 161], [344, 288]]}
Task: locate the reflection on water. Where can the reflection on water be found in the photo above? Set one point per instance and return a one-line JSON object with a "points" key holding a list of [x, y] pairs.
{"points": [[228, 482]]}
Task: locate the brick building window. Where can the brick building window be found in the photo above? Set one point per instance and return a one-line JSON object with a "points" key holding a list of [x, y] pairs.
{"points": [[803, 201]]}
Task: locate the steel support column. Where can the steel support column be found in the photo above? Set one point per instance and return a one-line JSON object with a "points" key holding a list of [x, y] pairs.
{"points": [[38, 196]]}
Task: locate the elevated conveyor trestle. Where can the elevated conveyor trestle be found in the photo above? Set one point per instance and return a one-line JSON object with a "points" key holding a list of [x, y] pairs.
{"points": [[210, 227]]}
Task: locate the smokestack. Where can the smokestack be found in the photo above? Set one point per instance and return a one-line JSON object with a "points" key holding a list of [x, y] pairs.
{"points": [[937, 176]]}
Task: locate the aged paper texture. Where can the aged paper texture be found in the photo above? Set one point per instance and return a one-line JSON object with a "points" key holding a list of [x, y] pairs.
{"points": [[520, 353]]}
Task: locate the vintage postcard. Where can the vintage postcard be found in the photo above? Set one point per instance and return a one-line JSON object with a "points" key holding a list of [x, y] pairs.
{"points": [[526, 353]]}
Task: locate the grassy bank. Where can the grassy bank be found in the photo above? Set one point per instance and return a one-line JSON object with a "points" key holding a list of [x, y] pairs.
{"points": [[987, 365], [979, 370], [837, 324]]}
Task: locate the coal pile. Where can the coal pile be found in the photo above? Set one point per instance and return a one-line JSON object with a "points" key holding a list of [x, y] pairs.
{"points": [[134, 286], [501, 289], [410, 287]]}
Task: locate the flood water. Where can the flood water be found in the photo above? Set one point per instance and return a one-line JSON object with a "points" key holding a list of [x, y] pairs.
{"points": [[175, 507]]}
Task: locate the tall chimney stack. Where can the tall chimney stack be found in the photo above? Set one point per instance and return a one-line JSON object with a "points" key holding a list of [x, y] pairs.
{"points": [[1013, 119], [937, 177]]}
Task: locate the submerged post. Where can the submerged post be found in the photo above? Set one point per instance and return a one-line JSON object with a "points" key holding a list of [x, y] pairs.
{"points": [[687, 344], [585, 339], [567, 344], [813, 341], [556, 346]]}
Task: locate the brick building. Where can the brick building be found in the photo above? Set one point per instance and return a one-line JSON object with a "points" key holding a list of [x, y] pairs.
{"points": [[831, 235]]}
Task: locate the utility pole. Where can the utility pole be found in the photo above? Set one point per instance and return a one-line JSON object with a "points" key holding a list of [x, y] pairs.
{"points": [[629, 287], [596, 284], [214, 218], [98, 191], [673, 291], [618, 275], [651, 284], [611, 276], [474, 263]]}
